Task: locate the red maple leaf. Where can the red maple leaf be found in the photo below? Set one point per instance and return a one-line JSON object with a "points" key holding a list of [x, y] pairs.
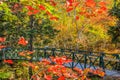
{"points": [[53, 18], [35, 11], [34, 77], [53, 3], [61, 60], [61, 78], [102, 3], [16, 5], [82, 13], [67, 75], [69, 9], [48, 13], [101, 10], [29, 52], [2, 39], [42, 7], [47, 77], [31, 65], [22, 53], [90, 3], [68, 3], [77, 18], [2, 46], [57, 69], [46, 62], [78, 70], [22, 41], [58, 60], [72, 3], [24, 64], [76, 4], [30, 13], [8, 61], [83, 77], [30, 8]]}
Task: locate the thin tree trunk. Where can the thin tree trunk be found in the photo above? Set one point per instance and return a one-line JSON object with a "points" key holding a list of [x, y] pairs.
{"points": [[31, 44]]}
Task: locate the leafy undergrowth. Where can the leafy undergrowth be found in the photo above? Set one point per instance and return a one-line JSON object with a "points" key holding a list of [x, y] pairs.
{"points": [[4, 75], [15, 71], [52, 69]]}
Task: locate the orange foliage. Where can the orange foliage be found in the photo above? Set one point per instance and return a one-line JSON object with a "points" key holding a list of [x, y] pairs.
{"points": [[78, 70], [71, 4], [46, 62], [90, 3], [2, 46], [102, 3], [22, 41], [77, 17], [31, 65], [26, 54], [97, 72], [61, 60], [30, 8], [53, 18], [69, 9], [47, 77], [48, 13], [42, 7], [21, 54], [61, 78], [2, 39], [93, 9]]}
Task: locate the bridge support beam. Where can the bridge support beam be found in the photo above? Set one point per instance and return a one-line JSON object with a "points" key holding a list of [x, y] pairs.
{"points": [[73, 58], [101, 61], [85, 60]]}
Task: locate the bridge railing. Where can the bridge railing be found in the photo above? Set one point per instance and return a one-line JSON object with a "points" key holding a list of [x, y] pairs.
{"points": [[83, 59]]}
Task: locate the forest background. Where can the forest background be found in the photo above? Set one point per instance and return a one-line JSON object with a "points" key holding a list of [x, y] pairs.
{"points": [[92, 25]]}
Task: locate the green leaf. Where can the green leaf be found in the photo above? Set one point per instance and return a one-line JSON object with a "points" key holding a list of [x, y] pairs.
{"points": [[4, 75], [49, 8]]}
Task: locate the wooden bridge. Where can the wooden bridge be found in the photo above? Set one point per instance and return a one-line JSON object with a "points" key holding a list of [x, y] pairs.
{"points": [[84, 59]]}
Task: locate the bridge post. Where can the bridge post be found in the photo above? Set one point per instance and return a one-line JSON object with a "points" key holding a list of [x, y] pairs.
{"points": [[53, 52], [73, 58], [101, 61], [37, 55], [2, 54], [62, 51], [117, 67], [85, 60], [90, 53], [45, 53]]}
